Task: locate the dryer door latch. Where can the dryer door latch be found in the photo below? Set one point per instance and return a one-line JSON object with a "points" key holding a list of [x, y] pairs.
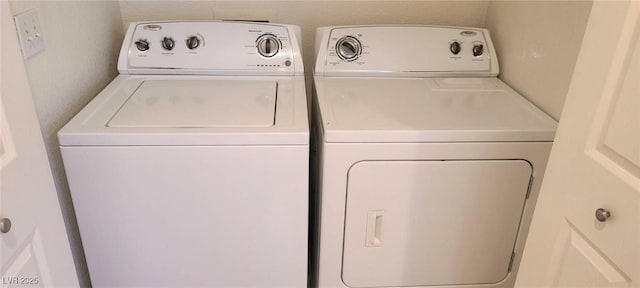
{"points": [[374, 228]]}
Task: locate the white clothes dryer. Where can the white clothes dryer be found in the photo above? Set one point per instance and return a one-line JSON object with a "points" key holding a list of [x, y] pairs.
{"points": [[191, 167], [427, 165]]}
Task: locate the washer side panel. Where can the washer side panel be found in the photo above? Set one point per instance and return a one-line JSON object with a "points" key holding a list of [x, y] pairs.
{"points": [[224, 216]]}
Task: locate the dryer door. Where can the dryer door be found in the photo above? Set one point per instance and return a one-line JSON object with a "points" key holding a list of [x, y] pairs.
{"points": [[421, 223]]}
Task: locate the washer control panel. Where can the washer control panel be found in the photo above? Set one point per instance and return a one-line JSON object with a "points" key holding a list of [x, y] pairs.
{"points": [[210, 47], [405, 50]]}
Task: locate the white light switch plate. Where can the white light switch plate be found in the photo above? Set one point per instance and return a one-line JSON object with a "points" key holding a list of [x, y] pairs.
{"points": [[29, 33]]}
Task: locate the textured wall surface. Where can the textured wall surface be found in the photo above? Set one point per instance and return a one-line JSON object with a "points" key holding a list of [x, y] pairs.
{"points": [[82, 39], [537, 44]]}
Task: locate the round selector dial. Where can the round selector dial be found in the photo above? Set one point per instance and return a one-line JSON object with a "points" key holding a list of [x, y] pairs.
{"points": [[268, 45], [168, 43], [142, 45], [193, 42], [348, 48]]}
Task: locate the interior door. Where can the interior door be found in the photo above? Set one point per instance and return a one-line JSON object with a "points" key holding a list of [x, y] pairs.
{"points": [[586, 227], [34, 249]]}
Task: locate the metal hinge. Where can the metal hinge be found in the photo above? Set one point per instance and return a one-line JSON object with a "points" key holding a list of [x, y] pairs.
{"points": [[529, 187], [513, 256]]}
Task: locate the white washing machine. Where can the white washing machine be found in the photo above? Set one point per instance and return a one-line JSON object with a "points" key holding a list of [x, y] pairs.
{"points": [[428, 165], [191, 167]]}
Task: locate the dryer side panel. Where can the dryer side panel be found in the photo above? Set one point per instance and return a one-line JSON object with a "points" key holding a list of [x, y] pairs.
{"points": [[423, 223]]}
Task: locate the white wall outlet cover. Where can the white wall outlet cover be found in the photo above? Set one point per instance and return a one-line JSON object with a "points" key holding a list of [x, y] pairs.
{"points": [[29, 33]]}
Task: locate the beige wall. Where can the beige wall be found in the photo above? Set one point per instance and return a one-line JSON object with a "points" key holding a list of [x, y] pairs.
{"points": [[537, 43], [82, 39]]}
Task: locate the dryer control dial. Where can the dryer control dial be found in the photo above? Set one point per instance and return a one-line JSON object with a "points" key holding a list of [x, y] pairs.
{"points": [[348, 48], [455, 47], [193, 42], [268, 45], [478, 49]]}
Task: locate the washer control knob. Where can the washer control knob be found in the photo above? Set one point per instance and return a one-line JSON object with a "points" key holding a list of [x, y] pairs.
{"points": [[454, 47], [268, 45], [348, 48], [168, 43], [478, 49], [193, 42], [142, 45]]}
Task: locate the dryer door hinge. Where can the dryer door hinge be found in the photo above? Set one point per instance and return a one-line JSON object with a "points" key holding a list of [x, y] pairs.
{"points": [[529, 187], [513, 256]]}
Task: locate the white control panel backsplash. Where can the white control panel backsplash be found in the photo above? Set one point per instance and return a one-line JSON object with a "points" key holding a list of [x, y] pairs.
{"points": [[405, 50], [211, 47]]}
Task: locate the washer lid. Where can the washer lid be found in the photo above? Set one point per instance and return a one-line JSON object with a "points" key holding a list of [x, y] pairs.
{"points": [[194, 103], [176, 110], [358, 109]]}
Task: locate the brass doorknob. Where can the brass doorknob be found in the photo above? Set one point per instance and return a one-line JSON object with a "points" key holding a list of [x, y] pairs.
{"points": [[5, 225], [602, 214]]}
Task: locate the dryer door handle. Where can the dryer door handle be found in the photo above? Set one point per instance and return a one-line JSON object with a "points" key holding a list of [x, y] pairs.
{"points": [[374, 228]]}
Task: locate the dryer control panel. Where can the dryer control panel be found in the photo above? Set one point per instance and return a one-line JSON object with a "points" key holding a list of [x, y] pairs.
{"points": [[211, 47], [405, 51]]}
